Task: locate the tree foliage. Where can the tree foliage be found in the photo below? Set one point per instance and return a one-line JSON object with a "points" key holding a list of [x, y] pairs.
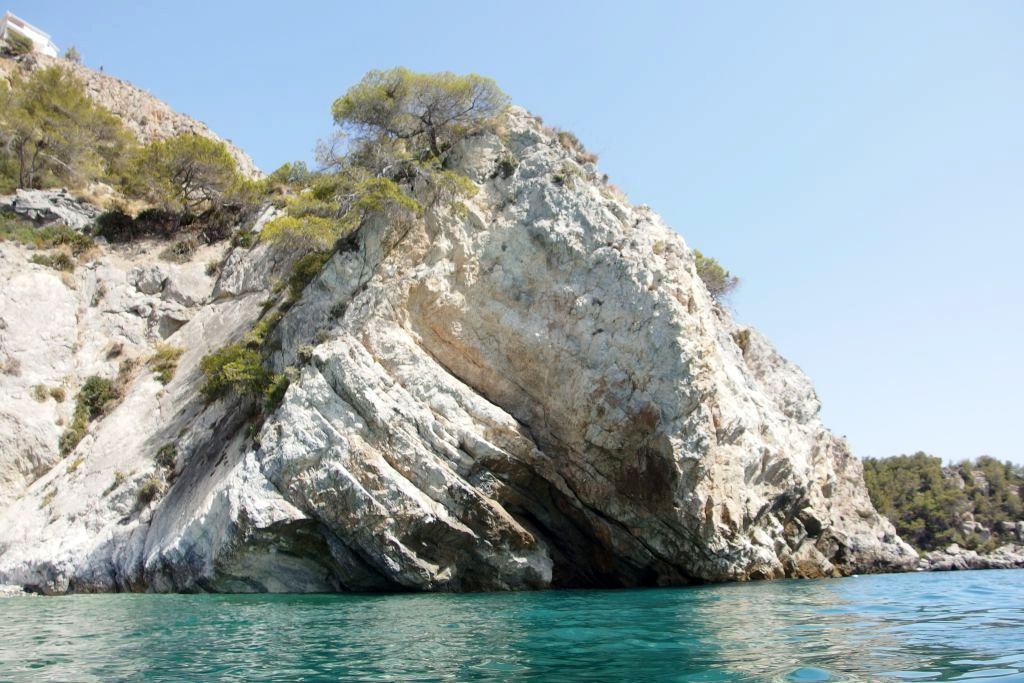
{"points": [[295, 175], [17, 43], [427, 111], [188, 173], [51, 133], [717, 279], [928, 503], [337, 206]]}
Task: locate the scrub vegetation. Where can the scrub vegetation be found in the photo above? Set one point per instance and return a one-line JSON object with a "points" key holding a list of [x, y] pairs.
{"points": [[933, 506]]}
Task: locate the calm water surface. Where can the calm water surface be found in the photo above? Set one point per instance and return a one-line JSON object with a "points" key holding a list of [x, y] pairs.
{"points": [[918, 627]]}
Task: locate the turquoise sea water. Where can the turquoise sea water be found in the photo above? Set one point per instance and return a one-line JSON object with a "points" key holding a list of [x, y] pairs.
{"points": [[916, 627]]}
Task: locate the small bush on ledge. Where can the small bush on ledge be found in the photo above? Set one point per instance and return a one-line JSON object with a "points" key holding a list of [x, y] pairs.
{"points": [[234, 369], [94, 399], [167, 457], [716, 278], [165, 361], [149, 490]]}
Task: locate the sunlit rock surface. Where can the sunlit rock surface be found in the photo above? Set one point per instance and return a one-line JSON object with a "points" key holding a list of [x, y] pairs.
{"points": [[537, 391]]}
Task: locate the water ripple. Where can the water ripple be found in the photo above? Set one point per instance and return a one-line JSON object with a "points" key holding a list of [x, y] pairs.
{"points": [[911, 627]]}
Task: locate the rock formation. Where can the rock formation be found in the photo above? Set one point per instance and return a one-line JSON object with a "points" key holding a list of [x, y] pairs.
{"points": [[536, 391], [45, 207], [954, 558]]}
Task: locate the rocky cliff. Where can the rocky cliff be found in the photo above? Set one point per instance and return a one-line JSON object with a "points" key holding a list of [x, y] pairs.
{"points": [[536, 391]]}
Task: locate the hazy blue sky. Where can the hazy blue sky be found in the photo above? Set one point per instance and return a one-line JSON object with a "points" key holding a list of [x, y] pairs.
{"points": [[860, 165]]}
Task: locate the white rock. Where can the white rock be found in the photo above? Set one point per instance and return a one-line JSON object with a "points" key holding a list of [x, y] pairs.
{"points": [[539, 392]]}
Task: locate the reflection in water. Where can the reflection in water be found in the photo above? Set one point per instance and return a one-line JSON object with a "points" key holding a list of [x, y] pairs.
{"points": [[898, 627]]}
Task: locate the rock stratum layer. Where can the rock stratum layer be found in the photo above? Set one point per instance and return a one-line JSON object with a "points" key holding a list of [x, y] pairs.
{"points": [[538, 391]]}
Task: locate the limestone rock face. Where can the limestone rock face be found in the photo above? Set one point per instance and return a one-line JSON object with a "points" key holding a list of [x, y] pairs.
{"points": [[56, 331], [534, 391]]}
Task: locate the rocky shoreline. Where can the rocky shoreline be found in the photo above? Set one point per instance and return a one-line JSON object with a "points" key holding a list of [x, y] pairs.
{"points": [[45, 207], [955, 558], [432, 436], [951, 559]]}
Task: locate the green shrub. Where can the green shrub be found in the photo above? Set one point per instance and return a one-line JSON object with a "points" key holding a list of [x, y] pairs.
{"points": [[58, 394], [181, 251], [742, 339], [39, 392], [165, 361], [149, 490], [167, 456], [96, 396], [115, 226], [307, 233], [338, 206], [244, 239], [304, 270], [567, 174], [716, 278], [219, 222], [16, 230], [295, 175], [274, 393], [213, 224], [306, 204], [58, 260], [507, 165], [338, 309], [257, 336], [446, 187], [160, 222], [18, 43], [572, 144], [94, 399], [71, 436], [234, 369]]}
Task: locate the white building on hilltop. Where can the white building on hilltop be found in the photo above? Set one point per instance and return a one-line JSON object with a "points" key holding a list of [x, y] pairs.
{"points": [[41, 41]]}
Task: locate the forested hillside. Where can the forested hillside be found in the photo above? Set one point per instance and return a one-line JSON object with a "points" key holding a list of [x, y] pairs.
{"points": [[976, 504]]}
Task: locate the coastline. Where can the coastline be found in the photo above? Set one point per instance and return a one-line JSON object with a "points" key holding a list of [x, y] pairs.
{"points": [[951, 559]]}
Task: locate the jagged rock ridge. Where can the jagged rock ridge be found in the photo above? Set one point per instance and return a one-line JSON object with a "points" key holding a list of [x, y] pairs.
{"points": [[538, 392]]}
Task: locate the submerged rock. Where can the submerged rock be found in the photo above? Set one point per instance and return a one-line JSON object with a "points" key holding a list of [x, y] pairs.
{"points": [[537, 391]]}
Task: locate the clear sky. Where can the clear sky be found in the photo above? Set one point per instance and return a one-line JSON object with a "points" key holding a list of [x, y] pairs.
{"points": [[860, 165]]}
